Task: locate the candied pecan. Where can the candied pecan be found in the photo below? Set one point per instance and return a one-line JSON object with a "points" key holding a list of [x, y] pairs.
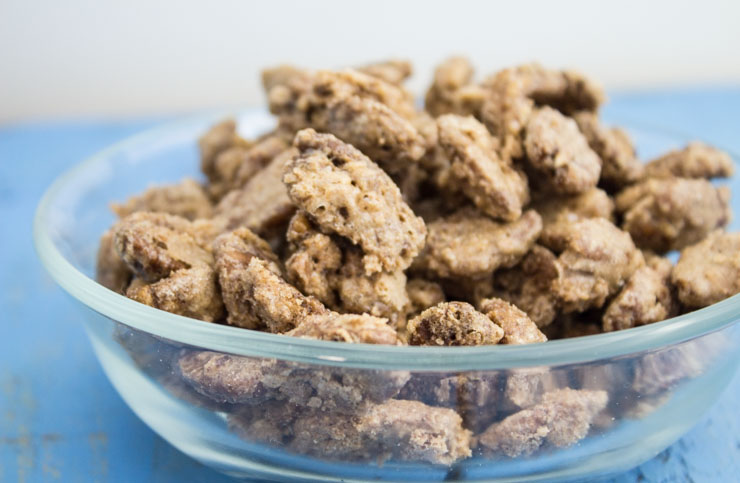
{"points": [[110, 269], [646, 298], [374, 128], [696, 160], [619, 166], [186, 199], [559, 212], [332, 436], [382, 294], [513, 92], [255, 294], [525, 387], [467, 244], [332, 270], [529, 285], [413, 431], [393, 71], [262, 204], [597, 261], [347, 194], [269, 423], [672, 213], [561, 419], [518, 327], [190, 292], [217, 139], [154, 245], [708, 271], [559, 153], [245, 380], [236, 166], [346, 328], [659, 371], [280, 75], [453, 323], [452, 90], [314, 259], [423, 294], [490, 182]]}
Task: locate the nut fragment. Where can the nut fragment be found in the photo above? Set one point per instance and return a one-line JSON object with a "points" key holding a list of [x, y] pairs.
{"points": [[347, 194], [561, 419], [423, 294], [597, 261], [490, 182], [696, 160], [708, 271], [518, 328], [453, 323], [669, 214], [219, 138], [557, 151], [467, 244]]}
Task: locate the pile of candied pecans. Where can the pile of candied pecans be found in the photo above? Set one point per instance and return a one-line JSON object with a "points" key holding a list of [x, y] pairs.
{"points": [[505, 212]]}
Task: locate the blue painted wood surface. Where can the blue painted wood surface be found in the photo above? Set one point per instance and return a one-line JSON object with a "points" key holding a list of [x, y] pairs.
{"points": [[60, 419]]}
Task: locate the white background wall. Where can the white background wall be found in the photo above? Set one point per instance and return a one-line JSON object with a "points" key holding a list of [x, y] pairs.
{"points": [[88, 58]]}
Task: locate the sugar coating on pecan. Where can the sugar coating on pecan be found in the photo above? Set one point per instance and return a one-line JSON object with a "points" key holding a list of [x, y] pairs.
{"points": [[659, 371], [696, 160], [452, 90], [347, 194], [561, 419], [186, 199], [252, 381], [518, 327], [709, 271], [452, 324], [110, 269], [392, 71], [620, 166], [477, 170], [238, 165], [597, 261], [217, 139], [351, 328], [154, 245], [558, 212], [468, 244], [672, 213], [255, 295], [646, 298], [559, 154], [411, 430], [528, 285], [262, 204]]}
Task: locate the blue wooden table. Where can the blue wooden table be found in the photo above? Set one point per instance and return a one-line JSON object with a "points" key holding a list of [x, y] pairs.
{"points": [[61, 420]]}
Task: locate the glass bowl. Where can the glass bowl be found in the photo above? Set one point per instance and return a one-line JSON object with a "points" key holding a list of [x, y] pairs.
{"points": [[280, 408]]}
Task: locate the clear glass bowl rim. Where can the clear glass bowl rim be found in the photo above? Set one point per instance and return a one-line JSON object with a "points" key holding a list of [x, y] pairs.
{"points": [[244, 342]]}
